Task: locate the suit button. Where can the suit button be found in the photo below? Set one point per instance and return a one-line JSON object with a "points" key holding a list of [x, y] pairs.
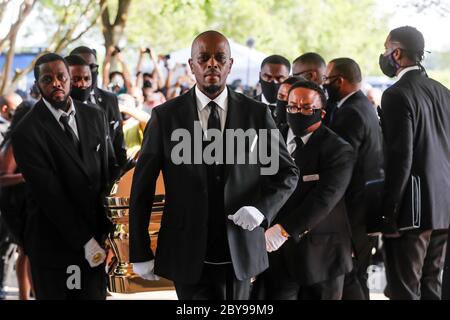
{"points": [[218, 178]]}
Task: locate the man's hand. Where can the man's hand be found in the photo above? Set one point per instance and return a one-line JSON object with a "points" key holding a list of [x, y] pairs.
{"points": [[275, 237], [145, 270], [94, 254], [248, 218]]}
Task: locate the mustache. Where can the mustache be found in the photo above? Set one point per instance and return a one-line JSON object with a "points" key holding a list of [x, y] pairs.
{"points": [[57, 90], [212, 73]]}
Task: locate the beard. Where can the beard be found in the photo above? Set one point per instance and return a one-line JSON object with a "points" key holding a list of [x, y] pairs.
{"points": [[212, 88]]}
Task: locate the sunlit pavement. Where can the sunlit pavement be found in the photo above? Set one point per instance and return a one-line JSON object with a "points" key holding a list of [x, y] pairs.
{"points": [[376, 283]]}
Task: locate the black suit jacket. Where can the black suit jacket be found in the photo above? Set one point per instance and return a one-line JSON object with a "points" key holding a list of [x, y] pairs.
{"points": [[108, 102], [416, 128], [182, 238], [319, 246], [66, 190], [356, 122]]}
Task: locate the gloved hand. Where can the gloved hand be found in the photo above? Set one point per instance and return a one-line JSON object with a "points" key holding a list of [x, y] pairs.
{"points": [[248, 218], [145, 270], [274, 238], [94, 254]]}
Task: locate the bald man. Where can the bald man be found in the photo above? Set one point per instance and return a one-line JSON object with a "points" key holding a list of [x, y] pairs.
{"points": [[211, 241], [8, 104]]}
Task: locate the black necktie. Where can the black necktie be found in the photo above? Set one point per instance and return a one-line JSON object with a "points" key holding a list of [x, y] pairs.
{"points": [[69, 132], [214, 118], [331, 109], [299, 145]]}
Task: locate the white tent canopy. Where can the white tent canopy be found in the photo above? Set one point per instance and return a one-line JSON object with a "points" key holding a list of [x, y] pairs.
{"points": [[246, 65]]}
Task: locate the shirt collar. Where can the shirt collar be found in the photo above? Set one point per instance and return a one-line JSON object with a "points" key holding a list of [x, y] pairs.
{"points": [[4, 120], [402, 73], [264, 100], [57, 113], [341, 102], [203, 100], [290, 137]]}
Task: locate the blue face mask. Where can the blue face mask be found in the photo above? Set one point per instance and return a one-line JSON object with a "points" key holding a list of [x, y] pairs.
{"points": [[388, 65]]}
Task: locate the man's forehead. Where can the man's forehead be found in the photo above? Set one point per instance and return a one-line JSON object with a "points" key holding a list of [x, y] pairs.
{"points": [[211, 43], [274, 68], [303, 93], [53, 66], [80, 69]]}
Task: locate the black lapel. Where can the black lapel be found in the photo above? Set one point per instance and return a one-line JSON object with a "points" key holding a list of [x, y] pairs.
{"points": [[235, 119], [189, 112], [310, 149], [55, 131], [85, 131]]}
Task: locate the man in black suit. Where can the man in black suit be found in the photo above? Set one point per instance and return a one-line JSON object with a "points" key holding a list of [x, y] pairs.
{"points": [[108, 102], [416, 125], [274, 70], [356, 121], [309, 240], [60, 147], [207, 254]]}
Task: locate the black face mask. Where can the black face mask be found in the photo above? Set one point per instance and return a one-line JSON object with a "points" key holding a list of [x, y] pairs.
{"points": [[80, 94], [269, 90], [299, 122], [388, 65], [280, 112], [332, 91]]}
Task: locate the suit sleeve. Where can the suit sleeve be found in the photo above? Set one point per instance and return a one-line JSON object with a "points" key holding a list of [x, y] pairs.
{"points": [[350, 127], [335, 172], [145, 175], [397, 125], [278, 187], [117, 136], [47, 191]]}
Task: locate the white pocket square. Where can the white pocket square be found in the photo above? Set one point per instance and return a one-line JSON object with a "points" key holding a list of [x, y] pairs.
{"points": [[97, 148], [312, 177]]}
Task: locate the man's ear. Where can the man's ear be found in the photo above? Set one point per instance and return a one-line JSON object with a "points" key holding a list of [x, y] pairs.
{"points": [[322, 113], [191, 64], [397, 54]]}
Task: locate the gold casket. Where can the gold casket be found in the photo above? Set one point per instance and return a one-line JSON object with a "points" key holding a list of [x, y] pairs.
{"points": [[122, 279]]}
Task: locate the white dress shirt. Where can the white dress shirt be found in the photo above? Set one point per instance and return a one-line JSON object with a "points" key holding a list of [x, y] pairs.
{"points": [[264, 100], [291, 144], [402, 73], [57, 113], [203, 110]]}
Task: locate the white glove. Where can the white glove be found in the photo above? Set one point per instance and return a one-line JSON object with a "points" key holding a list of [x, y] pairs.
{"points": [[145, 270], [274, 238], [93, 253], [248, 218]]}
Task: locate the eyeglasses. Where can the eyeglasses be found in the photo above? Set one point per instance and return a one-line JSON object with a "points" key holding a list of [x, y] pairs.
{"points": [[93, 67], [331, 77], [304, 72], [307, 109]]}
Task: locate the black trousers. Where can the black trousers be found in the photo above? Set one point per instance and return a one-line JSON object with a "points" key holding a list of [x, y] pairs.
{"points": [[218, 282], [58, 283], [280, 287], [446, 275], [414, 262]]}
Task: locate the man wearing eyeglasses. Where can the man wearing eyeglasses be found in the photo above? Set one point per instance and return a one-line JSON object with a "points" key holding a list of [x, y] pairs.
{"points": [[108, 102], [310, 66], [309, 240]]}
